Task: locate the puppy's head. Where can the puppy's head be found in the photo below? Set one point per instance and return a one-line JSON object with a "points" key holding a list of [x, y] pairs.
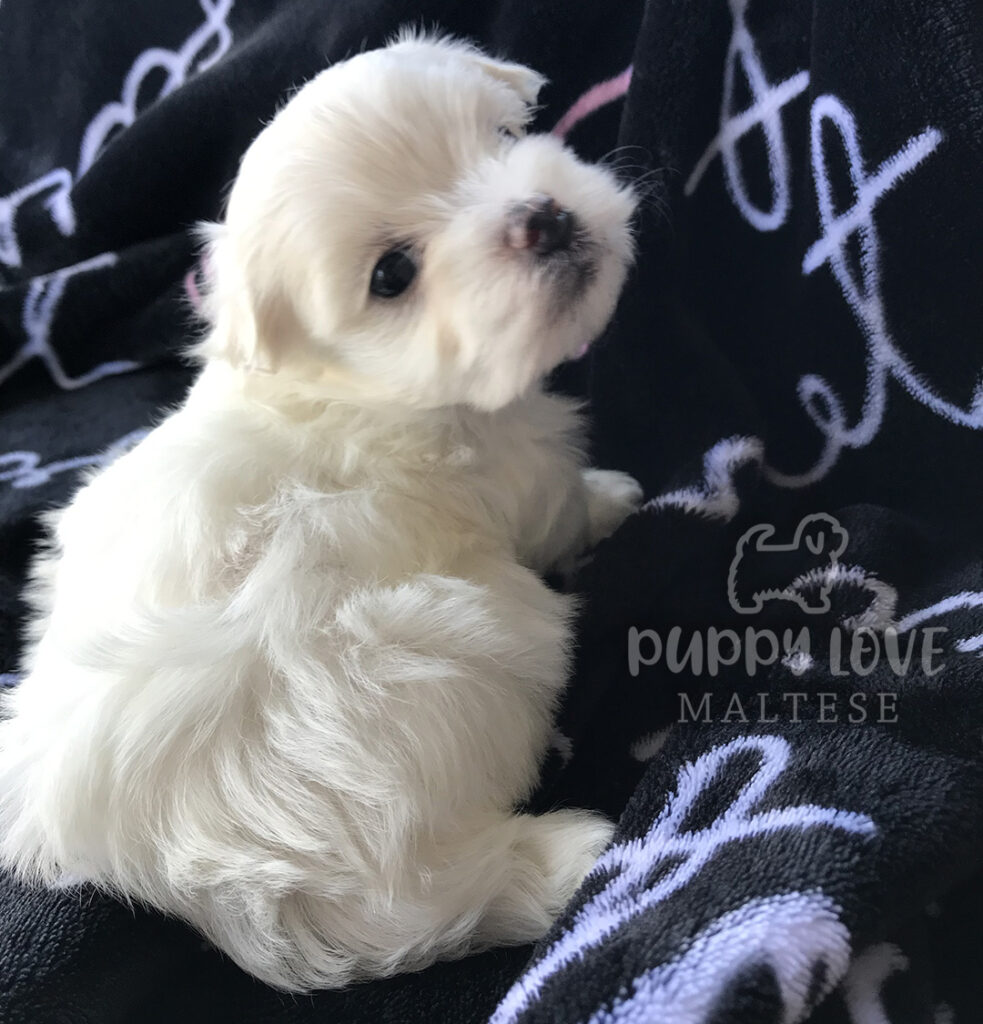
{"points": [[393, 235]]}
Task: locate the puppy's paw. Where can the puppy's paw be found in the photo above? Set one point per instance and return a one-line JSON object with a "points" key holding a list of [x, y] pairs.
{"points": [[611, 499], [551, 854], [566, 845]]}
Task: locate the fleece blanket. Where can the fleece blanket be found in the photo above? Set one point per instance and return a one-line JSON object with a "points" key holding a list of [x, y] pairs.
{"points": [[778, 691]]}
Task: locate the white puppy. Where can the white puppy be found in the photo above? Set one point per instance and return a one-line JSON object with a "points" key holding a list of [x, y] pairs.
{"points": [[292, 666]]}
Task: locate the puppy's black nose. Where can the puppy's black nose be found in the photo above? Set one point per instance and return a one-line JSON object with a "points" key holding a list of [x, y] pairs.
{"points": [[539, 224]]}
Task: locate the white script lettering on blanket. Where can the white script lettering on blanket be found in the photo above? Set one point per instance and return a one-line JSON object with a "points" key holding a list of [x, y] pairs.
{"points": [[819, 400], [682, 855], [716, 497], [24, 469], [58, 205], [43, 299], [862, 987], [765, 112], [964, 600], [178, 65], [201, 50], [799, 936]]}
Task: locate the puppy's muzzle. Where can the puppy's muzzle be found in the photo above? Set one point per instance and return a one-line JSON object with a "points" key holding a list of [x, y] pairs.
{"points": [[540, 225]]}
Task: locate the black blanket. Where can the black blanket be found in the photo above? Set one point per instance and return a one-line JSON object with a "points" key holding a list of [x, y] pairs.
{"points": [[779, 691]]}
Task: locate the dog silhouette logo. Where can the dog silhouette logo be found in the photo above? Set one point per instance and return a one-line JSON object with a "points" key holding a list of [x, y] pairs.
{"points": [[819, 536]]}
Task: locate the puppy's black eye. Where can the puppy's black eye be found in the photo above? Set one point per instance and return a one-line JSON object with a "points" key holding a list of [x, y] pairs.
{"points": [[507, 132], [393, 274]]}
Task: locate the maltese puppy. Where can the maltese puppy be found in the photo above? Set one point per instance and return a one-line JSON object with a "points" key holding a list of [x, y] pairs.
{"points": [[291, 665]]}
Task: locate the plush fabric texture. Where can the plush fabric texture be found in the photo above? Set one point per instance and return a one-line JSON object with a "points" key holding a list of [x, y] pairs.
{"points": [[798, 346]]}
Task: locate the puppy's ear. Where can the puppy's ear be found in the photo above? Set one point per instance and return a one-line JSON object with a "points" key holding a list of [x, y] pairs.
{"points": [[523, 80], [526, 82], [246, 329]]}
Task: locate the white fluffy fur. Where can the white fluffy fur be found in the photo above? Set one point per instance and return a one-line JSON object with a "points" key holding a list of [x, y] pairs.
{"points": [[292, 666]]}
